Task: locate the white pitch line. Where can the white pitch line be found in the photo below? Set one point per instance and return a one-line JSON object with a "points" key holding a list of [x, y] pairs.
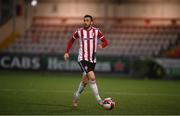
{"points": [[142, 94], [36, 90], [112, 93]]}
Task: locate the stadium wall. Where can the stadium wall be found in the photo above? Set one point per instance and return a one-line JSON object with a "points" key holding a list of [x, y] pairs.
{"points": [[7, 28], [54, 62], [66, 8], [138, 68]]}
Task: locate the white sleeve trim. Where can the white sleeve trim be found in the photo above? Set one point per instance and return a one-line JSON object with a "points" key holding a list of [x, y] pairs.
{"points": [[101, 37]]}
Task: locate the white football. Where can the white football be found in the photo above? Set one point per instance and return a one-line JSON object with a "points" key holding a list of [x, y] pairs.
{"points": [[108, 103]]}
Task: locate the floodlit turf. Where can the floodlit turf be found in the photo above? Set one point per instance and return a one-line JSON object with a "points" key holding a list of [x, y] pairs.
{"points": [[51, 93]]}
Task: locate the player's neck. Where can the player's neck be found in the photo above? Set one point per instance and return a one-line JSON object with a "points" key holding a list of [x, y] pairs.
{"points": [[88, 29]]}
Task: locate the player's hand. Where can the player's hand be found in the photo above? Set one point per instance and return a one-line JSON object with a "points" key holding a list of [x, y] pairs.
{"points": [[100, 46], [66, 56]]}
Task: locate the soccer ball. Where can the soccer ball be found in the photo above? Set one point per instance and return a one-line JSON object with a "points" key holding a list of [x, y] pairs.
{"points": [[108, 103]]}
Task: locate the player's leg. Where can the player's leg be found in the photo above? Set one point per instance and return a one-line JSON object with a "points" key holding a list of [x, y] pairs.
{"points": [[93, 86], [82, 85]]}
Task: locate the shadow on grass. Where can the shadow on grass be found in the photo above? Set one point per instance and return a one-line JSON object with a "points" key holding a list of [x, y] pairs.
{"points": [[54, 108]]}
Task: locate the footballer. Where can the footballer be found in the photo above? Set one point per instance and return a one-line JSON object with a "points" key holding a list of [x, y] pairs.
{"points": [[88, 43]]}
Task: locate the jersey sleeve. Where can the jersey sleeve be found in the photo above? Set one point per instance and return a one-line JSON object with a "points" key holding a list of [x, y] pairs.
{"points": [[71, 41], [75, 35], [100, 35], [103, 39]]}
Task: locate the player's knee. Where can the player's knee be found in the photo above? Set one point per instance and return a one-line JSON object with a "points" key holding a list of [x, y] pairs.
{"points": [[91, 76], [93, 79], [85, 81], [85, 78]]}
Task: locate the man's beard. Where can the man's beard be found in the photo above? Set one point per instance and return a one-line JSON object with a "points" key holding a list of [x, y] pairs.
{"points": [[86, 26]]}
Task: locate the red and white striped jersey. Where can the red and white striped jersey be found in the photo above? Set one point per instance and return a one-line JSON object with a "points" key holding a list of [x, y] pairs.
{"points": [[88, 41]]}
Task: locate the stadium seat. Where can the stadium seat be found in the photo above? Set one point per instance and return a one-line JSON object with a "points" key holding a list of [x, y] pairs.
{"points": [[124, 40]]}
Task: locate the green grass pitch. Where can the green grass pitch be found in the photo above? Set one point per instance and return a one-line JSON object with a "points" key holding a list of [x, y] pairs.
{"points": [[51, 93]]}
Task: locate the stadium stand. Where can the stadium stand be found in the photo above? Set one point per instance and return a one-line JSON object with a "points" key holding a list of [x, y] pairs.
{"points": [[174, 52], [124, 40]]}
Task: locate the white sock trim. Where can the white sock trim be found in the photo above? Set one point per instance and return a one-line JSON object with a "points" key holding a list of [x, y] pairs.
{"points": [[92, 82], [80, 89], [94, 89]]}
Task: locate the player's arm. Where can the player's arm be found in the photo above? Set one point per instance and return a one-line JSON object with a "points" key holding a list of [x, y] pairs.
{"points": [[69, 46], [104, 42]]}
